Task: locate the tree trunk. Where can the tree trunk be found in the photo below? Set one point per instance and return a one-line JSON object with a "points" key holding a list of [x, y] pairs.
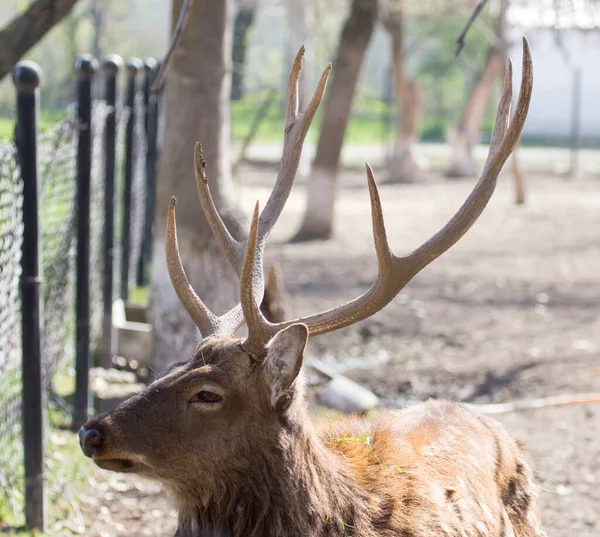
{"points": [[354, 41], [519, 180], [244, 18], [300, 22], [197, 109], [465, 135], [518, 176], [403, 167], [98, 19], [28, 28]]}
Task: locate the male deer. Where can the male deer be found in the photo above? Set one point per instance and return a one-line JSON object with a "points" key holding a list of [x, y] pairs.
{"points": [[228, 432]]}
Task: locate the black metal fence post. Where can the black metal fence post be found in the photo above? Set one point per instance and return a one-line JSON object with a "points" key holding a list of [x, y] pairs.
{"points": [[151, 159], [150, 65], [26, 77], [111, 67], [133, 66], [149, 73], [86, 68]]}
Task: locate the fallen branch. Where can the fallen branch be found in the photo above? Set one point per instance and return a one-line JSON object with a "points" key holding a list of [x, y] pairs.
{"points": [[181, 23], [531, 404], [28, 28], [460, 42]]}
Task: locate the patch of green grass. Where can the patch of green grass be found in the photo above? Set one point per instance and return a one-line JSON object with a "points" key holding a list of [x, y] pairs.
{"points": [[48, 119], [139, 295], [63, 383], [20, 532], [365, 126], [66, 470], [243, 114], [66, 466], [7, 127], [365, 439]]}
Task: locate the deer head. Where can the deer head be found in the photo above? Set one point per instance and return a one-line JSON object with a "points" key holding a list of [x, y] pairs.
{"points": [[202, 426]]}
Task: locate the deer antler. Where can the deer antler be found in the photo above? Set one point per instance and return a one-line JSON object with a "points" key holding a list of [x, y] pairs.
{"points": [[260, 331], [296, 128], [206, 321], [395, 272]]}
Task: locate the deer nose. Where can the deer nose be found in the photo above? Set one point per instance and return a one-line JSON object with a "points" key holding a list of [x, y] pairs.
{"points": [[90, 440]]}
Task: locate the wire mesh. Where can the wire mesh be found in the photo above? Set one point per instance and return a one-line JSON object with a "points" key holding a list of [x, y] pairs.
{"points": [[56, 155], [138, 188], [57, 159], [57, 151], [121, 135], [11, 233], [57, 167], [97, 222], [138, 191]]}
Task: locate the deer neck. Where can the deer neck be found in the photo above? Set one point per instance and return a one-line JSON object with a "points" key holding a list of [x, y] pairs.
{"points": [[297, 487]]}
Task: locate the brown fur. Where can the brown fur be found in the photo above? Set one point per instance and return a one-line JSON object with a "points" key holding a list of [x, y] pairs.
{"points": [[245, 469]]}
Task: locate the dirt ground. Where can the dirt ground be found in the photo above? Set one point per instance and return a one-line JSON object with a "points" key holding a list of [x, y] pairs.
{"points": [[511, 312]]}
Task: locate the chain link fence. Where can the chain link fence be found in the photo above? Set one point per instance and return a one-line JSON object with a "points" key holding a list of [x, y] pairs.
{"points": [[57, 153], [11, 233], [138, 188], [99, 113], [57, 158], [121, 135]]}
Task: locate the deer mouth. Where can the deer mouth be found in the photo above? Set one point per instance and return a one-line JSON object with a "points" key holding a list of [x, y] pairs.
{"points": [[116, 465]]}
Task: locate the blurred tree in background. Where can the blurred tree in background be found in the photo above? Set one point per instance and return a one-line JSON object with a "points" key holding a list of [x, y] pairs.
{"points": [[26, 29], [354, 41], [137, 28], [127, 27], [196, 110]]}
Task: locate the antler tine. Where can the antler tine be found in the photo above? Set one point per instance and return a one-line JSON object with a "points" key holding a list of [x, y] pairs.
{"points": [[200, 314], [293, 97], [503, 114], [314, 103], [378, 295], [396, 272], [385, 256], [260, 330], [505, 148], [296, 128], [233, 249], [208, 323], [503, 142]]}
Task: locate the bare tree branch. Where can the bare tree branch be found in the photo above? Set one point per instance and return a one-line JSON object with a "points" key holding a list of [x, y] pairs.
{"points": [[181, 22], [433, 28], [28, 28], [460, 42]]}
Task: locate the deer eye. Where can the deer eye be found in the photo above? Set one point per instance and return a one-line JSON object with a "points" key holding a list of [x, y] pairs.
{"points": [[205, 396]]}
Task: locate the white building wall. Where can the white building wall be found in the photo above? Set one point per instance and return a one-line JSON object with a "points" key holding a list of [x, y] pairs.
{"points": [[550, 113]]}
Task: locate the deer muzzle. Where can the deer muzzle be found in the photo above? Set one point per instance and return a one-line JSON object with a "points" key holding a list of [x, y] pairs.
{"points": [[91, 441], [99, 444]]}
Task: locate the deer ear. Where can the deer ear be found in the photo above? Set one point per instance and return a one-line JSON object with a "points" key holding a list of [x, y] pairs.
{"points": [[284, 360]]}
